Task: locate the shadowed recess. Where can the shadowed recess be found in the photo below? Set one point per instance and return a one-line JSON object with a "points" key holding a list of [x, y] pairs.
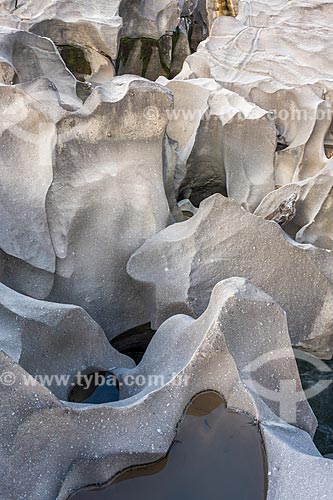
{"points": [[134, 342], [217, 454], [321, 403]]}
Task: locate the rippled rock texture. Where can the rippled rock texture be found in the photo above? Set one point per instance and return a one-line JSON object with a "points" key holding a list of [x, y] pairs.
{"points": [[164, 165]]}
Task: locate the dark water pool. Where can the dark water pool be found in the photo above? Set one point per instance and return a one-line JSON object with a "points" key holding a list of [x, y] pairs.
{"points": [[312, 373], [217, 455]]}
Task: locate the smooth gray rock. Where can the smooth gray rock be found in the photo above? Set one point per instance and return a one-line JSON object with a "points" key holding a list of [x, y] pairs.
{"points": [[27, 139], [280, 205], [92, 26], [25, 278], [245, 323], [295, 467], [147, 19], [85, 187], [107, 197], [275, 69], [180, 266], [319, 232], [88, 444], [92, 29], [25, 57]]}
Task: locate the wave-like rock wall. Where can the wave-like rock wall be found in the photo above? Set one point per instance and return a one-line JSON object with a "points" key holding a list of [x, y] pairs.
{"points": [[162, 163]]}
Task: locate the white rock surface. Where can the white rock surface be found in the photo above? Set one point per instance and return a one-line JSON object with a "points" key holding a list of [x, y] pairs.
{"points": [[315, 210], [147, 19], [223, 240], [27, 139]]}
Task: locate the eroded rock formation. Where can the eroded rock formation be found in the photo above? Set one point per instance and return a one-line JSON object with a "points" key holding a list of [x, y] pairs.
{"points": [[223, 240], [108, 164], [199, 204], [94, 443]]}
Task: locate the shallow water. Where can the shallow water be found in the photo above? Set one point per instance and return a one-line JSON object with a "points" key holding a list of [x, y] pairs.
{"points": [[322, 403], [100, 387], [217, 455]]}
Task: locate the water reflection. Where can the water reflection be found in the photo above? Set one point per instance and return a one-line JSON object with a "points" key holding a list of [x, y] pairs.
{"points": [[322, 403], [216, 455]]}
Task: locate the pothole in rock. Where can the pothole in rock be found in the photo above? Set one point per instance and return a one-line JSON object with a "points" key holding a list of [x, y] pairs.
{"points": [[215, 450], [196, 193], [96, 388], [152, 58], [317, 377], [134, 342]]}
